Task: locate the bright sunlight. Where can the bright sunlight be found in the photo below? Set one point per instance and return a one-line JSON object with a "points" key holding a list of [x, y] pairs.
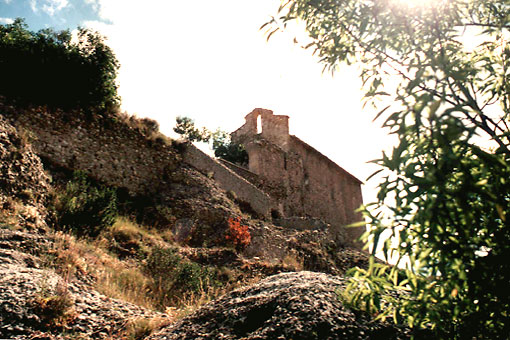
{"points": [[415, 3]]}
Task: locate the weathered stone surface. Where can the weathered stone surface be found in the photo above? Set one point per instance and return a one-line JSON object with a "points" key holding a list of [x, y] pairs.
{"points": [[301, 223], [298, 306], [300, 181], [295, 305], [200, 207], [107, 148], [23, 183], [120, 155]]}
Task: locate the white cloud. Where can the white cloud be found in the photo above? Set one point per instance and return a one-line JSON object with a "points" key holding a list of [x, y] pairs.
{"points": [[33, 6], [94, 3], [53, 6], [7, 1], [6, 20], [49, 6]]}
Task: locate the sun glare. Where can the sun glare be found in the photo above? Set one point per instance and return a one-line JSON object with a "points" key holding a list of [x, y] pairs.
{"points": [[414, 3]]}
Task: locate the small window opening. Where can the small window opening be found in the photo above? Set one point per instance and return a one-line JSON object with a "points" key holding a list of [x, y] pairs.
{"points": [[259, 124]]}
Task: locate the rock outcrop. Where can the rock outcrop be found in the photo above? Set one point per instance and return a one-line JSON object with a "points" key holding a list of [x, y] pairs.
{"points": [[298, 306], [24, 185], [25, 283]]}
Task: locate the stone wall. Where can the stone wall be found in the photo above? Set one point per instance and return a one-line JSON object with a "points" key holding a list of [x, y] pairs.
{"points": [[243, 172], [244, 191], [300, 181], [276, 190], [275, 129], [108, 149], [329, 192]]}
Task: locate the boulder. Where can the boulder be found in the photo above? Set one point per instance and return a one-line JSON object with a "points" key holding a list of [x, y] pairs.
{"points": [[298, 305]]}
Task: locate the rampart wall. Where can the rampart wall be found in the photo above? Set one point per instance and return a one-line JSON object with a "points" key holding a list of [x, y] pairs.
{"points": [[245, 191], [275, 189], [108, 149], [330, 192], [300, 181], [243, 172], [119, 154]]}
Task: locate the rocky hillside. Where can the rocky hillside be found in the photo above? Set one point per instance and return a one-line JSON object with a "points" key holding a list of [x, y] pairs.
{"points": [[38, 303], [159, 259]]}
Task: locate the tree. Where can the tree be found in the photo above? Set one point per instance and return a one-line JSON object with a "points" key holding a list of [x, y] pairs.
{"points": [[186, 128], [222, 144], [445, 193], [51, 68]]}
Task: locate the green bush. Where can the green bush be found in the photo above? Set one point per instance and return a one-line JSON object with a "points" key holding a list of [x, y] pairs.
{"points": [[175, 277], [49, 68], [85, 208], [226, 149], [161, 261]]}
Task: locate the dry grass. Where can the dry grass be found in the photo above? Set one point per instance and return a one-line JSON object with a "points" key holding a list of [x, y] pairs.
{"points": [[55, 307], [140, 328], [146, 126], [126, 283], [133, 237], [167, 236], [9, 213], [16, 215], [293, 262], [194, 300], [128, 279], [124, 279], [26, 137], [118, 279]]}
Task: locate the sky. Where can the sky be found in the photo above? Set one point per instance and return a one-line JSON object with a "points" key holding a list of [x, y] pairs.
{"points": [[209, 60]]}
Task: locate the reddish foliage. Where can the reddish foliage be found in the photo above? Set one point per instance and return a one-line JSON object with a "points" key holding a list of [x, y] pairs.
{"points": [[238, 234]]}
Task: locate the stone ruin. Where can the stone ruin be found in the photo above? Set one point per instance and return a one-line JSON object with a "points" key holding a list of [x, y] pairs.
{"points": [[302, 181]]}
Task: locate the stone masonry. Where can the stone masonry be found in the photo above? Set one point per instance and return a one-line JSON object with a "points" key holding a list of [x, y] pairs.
{"points": [[314, 185]]}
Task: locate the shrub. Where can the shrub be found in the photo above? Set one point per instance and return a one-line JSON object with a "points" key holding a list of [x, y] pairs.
{"points": [[84, 208], [192, 277], [127, 238], [48, 68], [54, 309], [228, 150], [174, 277], [162, 260], [114, 278], [238, 235], [443, 202]]}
